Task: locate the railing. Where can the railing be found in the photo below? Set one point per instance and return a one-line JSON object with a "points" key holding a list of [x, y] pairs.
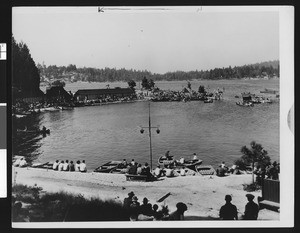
{"points": [[271, 190]]}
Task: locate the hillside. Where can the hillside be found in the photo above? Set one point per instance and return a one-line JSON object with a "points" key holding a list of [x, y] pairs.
{"points": [[71, 73]]}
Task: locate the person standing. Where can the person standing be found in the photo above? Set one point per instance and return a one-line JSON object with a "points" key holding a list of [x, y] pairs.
{"points": [[251, 209], [228, 211]]}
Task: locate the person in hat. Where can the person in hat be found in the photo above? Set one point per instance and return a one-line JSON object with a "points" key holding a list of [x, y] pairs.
{"points": [[251, 208], [134, 209], [228, 211], [179, 213], [128, 200]]}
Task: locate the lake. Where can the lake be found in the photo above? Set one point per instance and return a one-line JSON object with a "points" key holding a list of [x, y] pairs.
{"points": [[98, 134]]}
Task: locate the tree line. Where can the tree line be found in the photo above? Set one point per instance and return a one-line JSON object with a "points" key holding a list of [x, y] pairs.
{"points": [[72, 73]]}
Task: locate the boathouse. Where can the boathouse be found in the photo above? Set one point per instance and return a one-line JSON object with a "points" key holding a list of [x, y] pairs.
{"points": [[95, 94], [58, 94]]}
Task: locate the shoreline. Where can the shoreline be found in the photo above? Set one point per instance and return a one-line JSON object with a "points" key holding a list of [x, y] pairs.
{"points": [[204, 195]]}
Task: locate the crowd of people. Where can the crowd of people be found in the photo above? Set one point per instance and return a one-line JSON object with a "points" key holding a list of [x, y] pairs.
{"points": [[148, 212], [69, 166], [20, 162]]}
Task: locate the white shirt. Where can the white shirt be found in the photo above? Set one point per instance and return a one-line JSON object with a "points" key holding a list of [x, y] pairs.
{"points": [[17, 162], [157, 171], [82, 167], [182, 172], [181, 160], [66, 167], [60, 166], [55, 166], [77, 167], [169, 172], [195, 157]]}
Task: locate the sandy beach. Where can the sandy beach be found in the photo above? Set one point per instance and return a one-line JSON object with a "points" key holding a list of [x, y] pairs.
{"points": [[204, 195]]}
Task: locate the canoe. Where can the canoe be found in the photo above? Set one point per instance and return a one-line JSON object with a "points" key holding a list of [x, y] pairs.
{"points": [[165, 162], [205, 170], [108, 167], [47, 165], [192, 164], [47, 131]]}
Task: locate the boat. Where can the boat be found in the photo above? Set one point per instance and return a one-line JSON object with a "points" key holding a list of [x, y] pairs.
{"points": [[205, 170], [46, 131], [162, 161], [208, 101], [245, 104], [269, 91], [108, 167], [47, 165], [191, 164]]}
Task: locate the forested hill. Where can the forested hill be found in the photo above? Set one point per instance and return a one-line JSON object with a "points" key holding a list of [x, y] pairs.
{"points": [[72, 74]]}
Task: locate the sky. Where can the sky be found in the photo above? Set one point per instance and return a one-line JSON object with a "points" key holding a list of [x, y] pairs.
{"points": [[158, 40]]}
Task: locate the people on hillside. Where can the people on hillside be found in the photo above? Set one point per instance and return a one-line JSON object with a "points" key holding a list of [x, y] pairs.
{"points": [[228, 211], [55, 165], [61, 166], [66, 166], [251, 209], [77, 166], [179, 213], [83, 166], [72, 167]]}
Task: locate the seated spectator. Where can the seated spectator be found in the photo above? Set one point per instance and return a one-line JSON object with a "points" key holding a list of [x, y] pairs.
{"points": [[83, 166], [132, 162], [134, 209], [61, 166], [181, 160], [77, 166], [139, 169], [169, 172], [23, 163], [158, 172], [182, 171], [146, 207], [133, 169], [155, 213], [179, 213], [66, 166], [124, 164], [55, 165], [72, 167]]}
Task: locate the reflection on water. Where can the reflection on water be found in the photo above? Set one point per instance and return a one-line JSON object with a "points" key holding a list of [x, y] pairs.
{"points": [[216, 132]]}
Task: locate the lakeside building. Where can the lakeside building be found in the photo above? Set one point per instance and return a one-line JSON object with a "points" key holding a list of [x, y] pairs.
{"points": [[94, 94], [58, 93]]}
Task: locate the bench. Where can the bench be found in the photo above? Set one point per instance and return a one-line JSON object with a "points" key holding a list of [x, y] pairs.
{"points": [[130, 177], [269, 205]]}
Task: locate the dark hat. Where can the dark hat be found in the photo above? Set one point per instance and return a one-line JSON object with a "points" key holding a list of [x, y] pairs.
{"points": [[250, 196], [145, 199], [146, 164], [181, 206], [131, 194], [228, 198]]}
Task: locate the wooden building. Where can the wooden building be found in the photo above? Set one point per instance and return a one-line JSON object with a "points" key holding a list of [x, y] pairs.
{"points": [[95, 94], [58, 94]]}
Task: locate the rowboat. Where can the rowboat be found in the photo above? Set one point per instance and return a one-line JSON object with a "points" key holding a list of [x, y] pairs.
{"points": [[108, 167], [162, 161], [191, 164], [205, 170], [47, 131], [47, 165]]}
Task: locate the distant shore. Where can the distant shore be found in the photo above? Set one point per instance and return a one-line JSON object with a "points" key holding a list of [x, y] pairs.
{"points": [[204, 195]]}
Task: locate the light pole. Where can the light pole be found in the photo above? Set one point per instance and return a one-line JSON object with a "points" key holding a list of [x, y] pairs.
{"points": [[150, 127]]}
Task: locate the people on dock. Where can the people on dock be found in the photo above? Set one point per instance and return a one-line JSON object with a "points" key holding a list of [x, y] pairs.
{"points": [[72, 167], [55, 165], [179, 213], [251, 208], [228, 211], [61, 166], [66, 166], [83, 166], [77, 166]]}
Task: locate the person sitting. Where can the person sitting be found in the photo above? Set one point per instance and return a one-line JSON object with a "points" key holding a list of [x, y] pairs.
{"points": [[134, 209], [168, 156], [55, 165], [146, 207], [194, 158], [181, 160], [23, 163], [222, 165], [128, 200], [155, 213], [251, 209], [182, 171], [83, 166], [169, 171], [146, 170], [17, 162], [72, 167], [139, 169], [133, 169], [61, 166], [179, 213], [132, 162], [66, 166], [124, 163], [77, 166], [228, 211], [233, 168], [158, 172]]}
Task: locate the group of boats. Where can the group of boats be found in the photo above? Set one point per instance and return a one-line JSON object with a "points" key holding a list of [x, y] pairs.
{"points": [[192, 167], [248, 99]]}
